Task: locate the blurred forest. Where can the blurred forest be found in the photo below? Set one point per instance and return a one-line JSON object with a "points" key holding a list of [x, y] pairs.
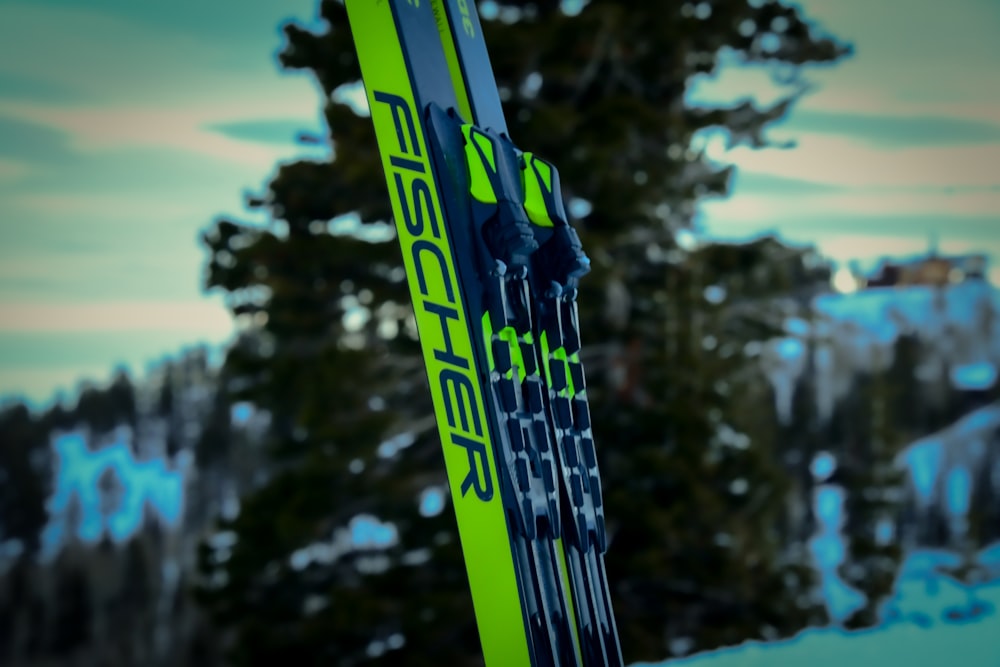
{"points": [[309, 456]]}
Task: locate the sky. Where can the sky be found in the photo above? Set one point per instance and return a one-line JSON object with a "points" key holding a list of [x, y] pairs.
{"points": [[126, 128]]}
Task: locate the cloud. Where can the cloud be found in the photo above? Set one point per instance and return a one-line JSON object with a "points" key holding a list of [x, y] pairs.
{"points": [[922, 60], [67, 274], [759, 183], [100, 129], [909, 58], [108, 230], [52, 231], [838, 161], [127, 207], [34, 364], [120, 223], [816, 220], [167, 275], [111, 161], [237, 26], [196, 318], [879, 130], [29, 141], [733, 80], [844, 237], [12, 170], [872, 205], [105, 57], [16, 86], [127, 82], [277, 131], [94, 55]]}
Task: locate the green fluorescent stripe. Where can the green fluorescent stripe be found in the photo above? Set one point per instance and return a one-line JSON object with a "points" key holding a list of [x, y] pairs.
{"points": [[479, 147], [488, 337], [561, 555], [544, 340], [536, 175], [560, 354], [517, 359], [482, 521], [486, 147], [451, 55]]}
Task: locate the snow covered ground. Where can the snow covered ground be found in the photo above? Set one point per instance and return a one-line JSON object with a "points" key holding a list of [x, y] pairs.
{"points": [[931, 620], [80, 498], [935, 622]]}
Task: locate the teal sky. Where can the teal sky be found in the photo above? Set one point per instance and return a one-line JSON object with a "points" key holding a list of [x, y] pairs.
{"points": [[126, 127]]}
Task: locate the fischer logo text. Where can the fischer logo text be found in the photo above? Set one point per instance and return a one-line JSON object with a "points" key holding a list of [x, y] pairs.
{"points": [[438, 309]]}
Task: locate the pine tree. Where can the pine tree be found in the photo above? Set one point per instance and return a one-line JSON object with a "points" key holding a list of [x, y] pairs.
{"points": [[330, 353], [70, 620], [702, 558], [873, 483], [104, 408], [24, 481], [214, 442]]}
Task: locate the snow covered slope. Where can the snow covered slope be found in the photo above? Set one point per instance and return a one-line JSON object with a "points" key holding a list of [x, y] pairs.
{"points": [[938, 622], [850, 333]]}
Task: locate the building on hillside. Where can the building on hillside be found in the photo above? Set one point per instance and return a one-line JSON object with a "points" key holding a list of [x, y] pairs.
{"points": [[932, 269]]}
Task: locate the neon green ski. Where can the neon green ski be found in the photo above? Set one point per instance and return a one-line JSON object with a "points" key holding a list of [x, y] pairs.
{"points": [[492, 266]]}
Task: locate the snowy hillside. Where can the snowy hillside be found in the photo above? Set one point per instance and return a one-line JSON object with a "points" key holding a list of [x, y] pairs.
{"points": [[938, 621], [930, 619], [940, 464], [851, 333], [109, 486]]}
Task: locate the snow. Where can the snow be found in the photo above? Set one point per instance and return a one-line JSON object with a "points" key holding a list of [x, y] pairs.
{"points": [[977, 376], [989, 560], [924, 460], [715, 294], [139, 484], [431, 502], [823, 465], [932, 620], [950, 454], [797, 327], [828, 550], [783, 360], [369, 532], [983, 419], [849, 333], [389, 448], [884, 311], [240, 413], [959, 490], [790, 348]]}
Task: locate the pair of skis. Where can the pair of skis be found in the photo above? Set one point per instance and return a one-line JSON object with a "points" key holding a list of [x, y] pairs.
{"points": [[492, 266]]}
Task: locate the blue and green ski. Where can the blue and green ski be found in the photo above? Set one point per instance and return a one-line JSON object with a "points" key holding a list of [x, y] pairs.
{"points": [[492, 266]]}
